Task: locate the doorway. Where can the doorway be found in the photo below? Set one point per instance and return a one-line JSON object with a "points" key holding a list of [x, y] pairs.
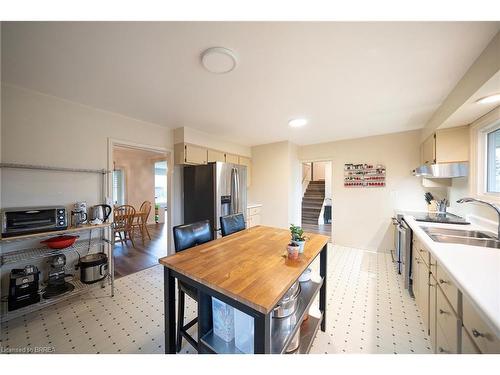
{"points": [[140, 196], [317, 200]]}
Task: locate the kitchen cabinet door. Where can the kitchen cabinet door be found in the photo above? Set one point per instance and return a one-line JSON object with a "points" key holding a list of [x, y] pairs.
{"points": [[429, 150], [230, 158], [422, 291], [195, 154], [432, 310], [480, 332], [213, 156], [468, 346], [448, 325], [452, 145]]}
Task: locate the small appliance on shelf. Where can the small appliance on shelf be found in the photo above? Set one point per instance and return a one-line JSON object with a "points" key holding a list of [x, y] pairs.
{"points": [[57, 285], [23, 287], [21, 221]]}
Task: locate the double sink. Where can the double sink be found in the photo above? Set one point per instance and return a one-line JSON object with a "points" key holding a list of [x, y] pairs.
{"points": [[462, 236]]}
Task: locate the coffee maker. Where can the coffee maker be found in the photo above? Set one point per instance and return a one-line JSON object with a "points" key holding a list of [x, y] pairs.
{"points": [[23, 287], [57, 284]]}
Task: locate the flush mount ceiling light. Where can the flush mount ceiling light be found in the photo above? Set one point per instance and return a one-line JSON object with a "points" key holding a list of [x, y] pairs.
{"points": [[489, 99], [297, 122], [219, 60]]}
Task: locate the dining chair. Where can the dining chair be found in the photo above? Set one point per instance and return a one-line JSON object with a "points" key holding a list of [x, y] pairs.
{"points": [[231, 224], [123, 219], [185, 237], [141, 220]]}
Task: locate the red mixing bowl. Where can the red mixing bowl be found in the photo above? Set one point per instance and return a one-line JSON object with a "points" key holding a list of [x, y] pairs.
{"points": [[60, 242]]}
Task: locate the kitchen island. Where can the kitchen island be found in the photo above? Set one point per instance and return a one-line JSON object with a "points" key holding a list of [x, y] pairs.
{"points": [[248, 270]]}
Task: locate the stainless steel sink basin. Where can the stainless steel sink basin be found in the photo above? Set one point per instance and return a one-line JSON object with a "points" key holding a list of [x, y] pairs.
{"points": [[458, 232], [463, 237], [483, 242]]}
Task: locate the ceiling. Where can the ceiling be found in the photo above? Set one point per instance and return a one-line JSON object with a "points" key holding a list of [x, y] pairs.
{"points": [[350, 79], [470, 111]]}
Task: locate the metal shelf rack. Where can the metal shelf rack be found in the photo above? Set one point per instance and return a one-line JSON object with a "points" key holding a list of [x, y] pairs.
{"points": [[105, 240], [30, 254]]}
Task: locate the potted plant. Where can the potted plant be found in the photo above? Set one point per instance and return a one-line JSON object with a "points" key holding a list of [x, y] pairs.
{"points": [[293, 251], [298, 237]]}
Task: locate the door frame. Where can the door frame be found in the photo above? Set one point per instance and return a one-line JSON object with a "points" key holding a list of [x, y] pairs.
{"points": [[316, 160], [169, 156]]}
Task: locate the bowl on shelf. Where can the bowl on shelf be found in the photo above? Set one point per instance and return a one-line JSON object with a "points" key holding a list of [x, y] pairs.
{"points": [[60, 242]]}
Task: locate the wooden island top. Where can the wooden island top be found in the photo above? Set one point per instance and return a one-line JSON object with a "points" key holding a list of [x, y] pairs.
{"points": [[250, 266]]}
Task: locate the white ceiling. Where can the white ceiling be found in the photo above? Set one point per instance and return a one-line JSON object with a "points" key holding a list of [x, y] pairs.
{"points": [[350, 79], [471, 110]]}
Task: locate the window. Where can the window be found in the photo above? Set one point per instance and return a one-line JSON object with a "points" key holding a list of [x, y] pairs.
{"points": [[161, 183], [493, 161], [118, 187]]}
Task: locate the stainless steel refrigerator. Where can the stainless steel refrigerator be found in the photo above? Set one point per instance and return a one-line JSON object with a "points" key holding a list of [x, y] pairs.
{"points": [[214, 190]]}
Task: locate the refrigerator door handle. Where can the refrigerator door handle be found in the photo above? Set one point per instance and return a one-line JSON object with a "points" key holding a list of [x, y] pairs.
{"points": [[233, 191], [237, 184]]}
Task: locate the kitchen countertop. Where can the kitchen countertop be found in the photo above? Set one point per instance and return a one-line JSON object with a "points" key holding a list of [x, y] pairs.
{"points": [[254, 205], [475, 270], [249, 266]]}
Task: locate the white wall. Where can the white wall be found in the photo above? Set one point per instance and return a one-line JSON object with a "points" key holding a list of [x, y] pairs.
{"points": [[295, 186], [276, 178], [362, 216], [45, 130]]}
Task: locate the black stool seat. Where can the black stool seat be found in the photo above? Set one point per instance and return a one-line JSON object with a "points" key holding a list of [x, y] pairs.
{"points": [[231, 224], [185, 237]]}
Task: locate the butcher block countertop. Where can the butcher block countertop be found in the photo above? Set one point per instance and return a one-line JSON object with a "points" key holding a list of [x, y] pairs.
{"points": [[250, 266]]}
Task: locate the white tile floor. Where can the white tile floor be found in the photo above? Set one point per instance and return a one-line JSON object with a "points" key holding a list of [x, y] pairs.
{"points": [[368, 312]]}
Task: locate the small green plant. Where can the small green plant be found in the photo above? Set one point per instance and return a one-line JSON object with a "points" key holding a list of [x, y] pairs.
{"points": [[297, 233]]}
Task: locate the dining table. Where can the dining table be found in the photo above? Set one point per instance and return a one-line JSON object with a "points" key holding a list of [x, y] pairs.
{"points": [[250, 271]]}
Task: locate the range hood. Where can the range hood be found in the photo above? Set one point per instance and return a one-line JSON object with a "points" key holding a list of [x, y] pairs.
{"points": [[442, 170]]}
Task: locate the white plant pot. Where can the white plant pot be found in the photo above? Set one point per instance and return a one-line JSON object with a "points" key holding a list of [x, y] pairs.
{"points": [[300, 244]]}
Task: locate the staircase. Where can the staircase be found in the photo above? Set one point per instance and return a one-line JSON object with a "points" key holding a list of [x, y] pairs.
{"points": [[312, 202]]}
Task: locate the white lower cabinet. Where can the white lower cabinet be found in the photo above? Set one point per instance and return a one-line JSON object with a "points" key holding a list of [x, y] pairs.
{"points": [[432, 310], [452, 322], [448, 325], [253, 216], [468, 346], [480, 333]]}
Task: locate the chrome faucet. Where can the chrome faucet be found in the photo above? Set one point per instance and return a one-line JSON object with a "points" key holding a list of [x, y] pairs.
{"points": [[468, 200]]}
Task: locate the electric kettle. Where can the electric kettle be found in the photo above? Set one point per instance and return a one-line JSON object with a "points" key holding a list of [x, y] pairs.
{"points": [[100, 212]]}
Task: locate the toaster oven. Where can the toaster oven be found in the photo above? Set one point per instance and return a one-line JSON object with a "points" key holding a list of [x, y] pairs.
{"points": [[19, 221]]}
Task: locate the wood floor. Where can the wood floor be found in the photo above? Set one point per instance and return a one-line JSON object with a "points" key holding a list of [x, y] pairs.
{"points": [[325, 229], [129, 260]]}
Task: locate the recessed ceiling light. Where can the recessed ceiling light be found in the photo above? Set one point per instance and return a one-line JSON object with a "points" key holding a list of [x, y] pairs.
{"points": [[219, 60], [297, 122], [489, 99]]}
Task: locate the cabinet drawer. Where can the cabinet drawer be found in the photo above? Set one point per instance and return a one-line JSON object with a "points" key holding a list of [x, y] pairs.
{"points": [[479, 331], [424, 254], [468, 346], [449, 289], [447, 322], [253, 211], [443, 346]]}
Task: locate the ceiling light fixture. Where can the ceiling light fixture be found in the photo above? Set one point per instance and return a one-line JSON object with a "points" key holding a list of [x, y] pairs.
{"points": [[489, 99], [219, 60], [298, 122]]}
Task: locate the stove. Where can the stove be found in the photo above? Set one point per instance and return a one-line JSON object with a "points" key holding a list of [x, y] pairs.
{"points": [[439, 217]]}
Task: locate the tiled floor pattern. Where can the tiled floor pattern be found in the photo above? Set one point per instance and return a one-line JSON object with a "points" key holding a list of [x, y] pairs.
{"points": [[369, 312]]}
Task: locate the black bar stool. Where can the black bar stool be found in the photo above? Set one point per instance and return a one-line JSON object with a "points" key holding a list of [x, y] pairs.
{"points": [[231, 224], [186, 236]]}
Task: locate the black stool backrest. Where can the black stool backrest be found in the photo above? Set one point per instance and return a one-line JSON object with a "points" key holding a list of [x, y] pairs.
{"points": [[189, 235], [231, 224]]}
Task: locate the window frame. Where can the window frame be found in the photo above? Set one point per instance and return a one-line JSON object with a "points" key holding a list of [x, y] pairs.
{"points": [[479, 156]]}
